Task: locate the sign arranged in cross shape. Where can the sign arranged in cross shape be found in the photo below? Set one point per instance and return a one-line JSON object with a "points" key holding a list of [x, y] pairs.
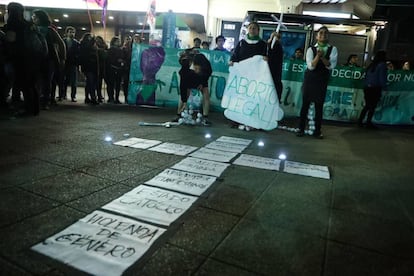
{"points": [[104, 243]]}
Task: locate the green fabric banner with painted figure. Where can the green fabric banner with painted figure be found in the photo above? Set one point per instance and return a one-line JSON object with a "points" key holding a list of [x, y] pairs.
{"points": [[154, 81]]}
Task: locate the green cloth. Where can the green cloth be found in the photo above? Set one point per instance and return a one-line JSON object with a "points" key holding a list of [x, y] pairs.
{"points": [[253, 37]]}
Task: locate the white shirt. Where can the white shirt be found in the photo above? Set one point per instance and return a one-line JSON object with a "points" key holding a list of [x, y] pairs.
{"points": [[333, 58]]}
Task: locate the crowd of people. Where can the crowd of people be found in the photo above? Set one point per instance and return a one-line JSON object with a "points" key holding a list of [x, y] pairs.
{"points": [[38, 64]]}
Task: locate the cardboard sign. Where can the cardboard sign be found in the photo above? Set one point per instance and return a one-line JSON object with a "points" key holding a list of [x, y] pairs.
{"points": [[234, 140], [101, 243], [196, 165], [137, 143], [214, 155], [250, 97], [226, 146], [172, 148], [186, 182], [307, 169], [258, 162], [152, 204]]}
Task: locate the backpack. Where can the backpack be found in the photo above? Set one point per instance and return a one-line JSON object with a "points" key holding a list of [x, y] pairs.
{"points": [[34, 42]]}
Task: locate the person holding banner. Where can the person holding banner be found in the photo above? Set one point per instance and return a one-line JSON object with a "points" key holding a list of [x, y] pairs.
{"points": [[248, 47], [320, 59]]}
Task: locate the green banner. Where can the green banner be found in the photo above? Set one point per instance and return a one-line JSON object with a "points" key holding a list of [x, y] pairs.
{"points": [[344, 100]]}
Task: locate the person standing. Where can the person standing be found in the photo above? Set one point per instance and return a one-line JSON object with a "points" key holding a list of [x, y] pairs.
{"points": [[298, 55], [250, 46], [102, 49], [375, 82], [55, 62], [21, 60], [352, 61], [220, 40], [197, 43], [70, 73], [275, 55], [115, 66], [320, 59], [88, 59]]}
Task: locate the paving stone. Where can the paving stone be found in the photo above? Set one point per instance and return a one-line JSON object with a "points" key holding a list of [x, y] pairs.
{"points": [[259, 246], [348, 260], [202, 230]]}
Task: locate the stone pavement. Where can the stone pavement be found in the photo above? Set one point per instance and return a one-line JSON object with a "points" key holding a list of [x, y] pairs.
{"points": [[56, 168]]}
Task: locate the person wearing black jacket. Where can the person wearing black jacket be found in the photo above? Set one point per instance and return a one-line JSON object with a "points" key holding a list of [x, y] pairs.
{"points": [[89, 65], [250, 46], [70, 72], [115, 65], [275, 60]]}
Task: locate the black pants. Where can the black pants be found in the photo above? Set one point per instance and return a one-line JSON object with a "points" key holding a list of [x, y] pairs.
{"points": [[372, 95]]}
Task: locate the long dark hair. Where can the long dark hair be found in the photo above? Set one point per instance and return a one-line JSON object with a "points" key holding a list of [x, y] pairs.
{"points": [[380, 56], [15, 12]]}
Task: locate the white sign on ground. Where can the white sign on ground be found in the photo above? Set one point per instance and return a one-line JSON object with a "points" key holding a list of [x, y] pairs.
{"points": [[226, 146], [172, 148], [180, 181], [196, 165], [127, 142], [214, 155], [137, 143], [152, 204], [234, 140], [307, 169], [258, 162], [101, 243]]}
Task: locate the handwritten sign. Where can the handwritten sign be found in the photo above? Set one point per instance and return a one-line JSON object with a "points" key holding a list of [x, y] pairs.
{"points": [[101, 243], [250, 96], [214, 155], [226, 146], [137, 143], [152, 204], [196, 165], [190, 183], [234, 140], [307, 169], [172, 148], [258, 162]]}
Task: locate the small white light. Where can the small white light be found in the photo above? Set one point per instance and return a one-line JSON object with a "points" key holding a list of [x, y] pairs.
{"points": [[282, 156], [260, 144], [207, 136], [65, 15], [108, 138], [110, 17]]}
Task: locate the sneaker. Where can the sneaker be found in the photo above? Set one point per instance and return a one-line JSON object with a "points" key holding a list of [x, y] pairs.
{"points": [[205, 122], [74, 100]]}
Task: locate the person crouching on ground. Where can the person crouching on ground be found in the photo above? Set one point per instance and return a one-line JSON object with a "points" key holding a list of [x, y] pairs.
{"points": [[188, 80], [194, 79]]}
